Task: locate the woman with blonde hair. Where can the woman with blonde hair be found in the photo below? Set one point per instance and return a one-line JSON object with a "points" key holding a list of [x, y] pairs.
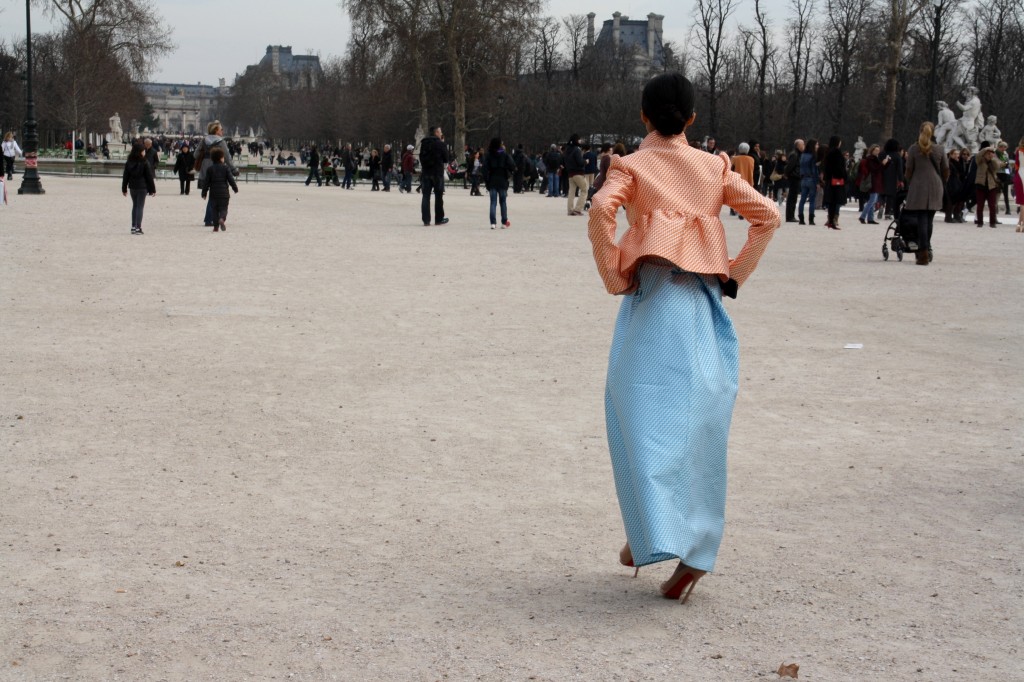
{"points": [[926, 173], [673, 366]]}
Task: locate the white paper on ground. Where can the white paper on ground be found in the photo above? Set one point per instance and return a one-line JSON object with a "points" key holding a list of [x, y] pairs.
{"points": [[853, 346]]}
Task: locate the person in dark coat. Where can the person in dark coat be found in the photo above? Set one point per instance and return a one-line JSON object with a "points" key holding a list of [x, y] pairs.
{"points": [[433, 160], [519, 159], [375, 170], [552, 164], [218, 180], [152, 155], [350, 164], [833, 171], [314, 167], [183, 168], [927, 172], [953, 202], [138, 178], [496, 168], [892, 176]]}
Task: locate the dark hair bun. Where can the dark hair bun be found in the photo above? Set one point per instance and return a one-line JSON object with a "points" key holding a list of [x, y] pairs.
{"points": [[668, 102]]}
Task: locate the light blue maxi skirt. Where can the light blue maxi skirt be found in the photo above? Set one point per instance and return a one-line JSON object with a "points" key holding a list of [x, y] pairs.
{"points": [[672, 379]]}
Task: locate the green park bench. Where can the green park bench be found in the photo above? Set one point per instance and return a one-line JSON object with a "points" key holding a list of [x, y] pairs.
{"points": [[82, 167]]}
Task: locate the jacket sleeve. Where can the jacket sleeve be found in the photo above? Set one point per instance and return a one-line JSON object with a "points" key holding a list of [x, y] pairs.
{"points": [[124, 179], [761, 212], [147, 172], [619, 187], [231, 181]]}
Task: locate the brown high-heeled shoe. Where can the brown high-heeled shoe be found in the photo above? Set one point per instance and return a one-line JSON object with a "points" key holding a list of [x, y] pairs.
{"points": [[682, 582], [626, 559]]}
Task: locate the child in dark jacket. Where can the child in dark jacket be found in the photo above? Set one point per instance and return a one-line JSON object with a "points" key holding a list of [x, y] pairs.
{"points": [[218, 179]]}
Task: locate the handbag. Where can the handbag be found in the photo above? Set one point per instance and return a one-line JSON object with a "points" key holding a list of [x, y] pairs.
{"points": [[775, 176], [865, 185], [837, 182]]}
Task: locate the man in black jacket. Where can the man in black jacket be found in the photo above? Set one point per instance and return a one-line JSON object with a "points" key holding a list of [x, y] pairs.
{"points": [[519, 159], [792, 173], [152, 155], [433, 159], [314, 166]]}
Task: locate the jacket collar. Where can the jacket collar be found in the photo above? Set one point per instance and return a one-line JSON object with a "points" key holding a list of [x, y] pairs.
{"points": [[656, 140]]}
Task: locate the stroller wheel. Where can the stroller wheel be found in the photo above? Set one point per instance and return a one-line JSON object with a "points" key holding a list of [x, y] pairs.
{"points": [[899, 255], [885, 252]]}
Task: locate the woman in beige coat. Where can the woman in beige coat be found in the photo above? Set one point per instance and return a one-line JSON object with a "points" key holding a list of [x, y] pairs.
{"points": [[986, 185], [927, 171]]}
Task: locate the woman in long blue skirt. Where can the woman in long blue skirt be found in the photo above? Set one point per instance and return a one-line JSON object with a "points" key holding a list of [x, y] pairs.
{"points": [[673, 366]]}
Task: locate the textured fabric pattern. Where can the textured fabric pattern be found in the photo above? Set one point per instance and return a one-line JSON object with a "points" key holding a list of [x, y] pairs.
{"points": [[672, 379], [673, 195]]}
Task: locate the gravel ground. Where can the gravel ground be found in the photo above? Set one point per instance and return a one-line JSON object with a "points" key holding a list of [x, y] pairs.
{"points": [[334, 444]]}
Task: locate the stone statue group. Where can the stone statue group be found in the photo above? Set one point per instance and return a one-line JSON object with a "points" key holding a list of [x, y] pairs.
{"points": [[970, 130], [966, 132]]}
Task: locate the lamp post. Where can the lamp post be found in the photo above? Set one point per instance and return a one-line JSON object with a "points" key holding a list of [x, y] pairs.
{"points": [[501, 109], [933, 75], [30, 179]]}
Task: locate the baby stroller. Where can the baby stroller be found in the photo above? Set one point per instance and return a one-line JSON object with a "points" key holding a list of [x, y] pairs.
{"points": [[901, 233]]}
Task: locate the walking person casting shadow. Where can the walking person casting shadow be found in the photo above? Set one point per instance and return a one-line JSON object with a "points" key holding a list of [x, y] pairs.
{"points": [[139, 180], [433, 159], [673, 366]]}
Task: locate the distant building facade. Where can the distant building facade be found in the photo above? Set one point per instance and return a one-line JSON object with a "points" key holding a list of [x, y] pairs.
{"points": [[640, 40], [182, 108], [295, 71]]}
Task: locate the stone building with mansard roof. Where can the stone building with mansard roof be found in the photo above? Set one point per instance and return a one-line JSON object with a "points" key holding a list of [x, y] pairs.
{"points": [[638, 39]]}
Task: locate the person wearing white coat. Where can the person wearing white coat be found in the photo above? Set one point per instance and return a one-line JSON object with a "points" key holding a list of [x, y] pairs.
{"points": [[11, 151]]}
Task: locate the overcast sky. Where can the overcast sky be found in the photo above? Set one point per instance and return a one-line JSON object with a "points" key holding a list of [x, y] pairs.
{"points": [[221, 42]]}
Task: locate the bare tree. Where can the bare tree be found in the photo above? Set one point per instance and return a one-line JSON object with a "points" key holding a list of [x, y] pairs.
{"points": [[761, 50], [80, 82], [546, 34], [132, 30], [798, 55], [842, 36], [900, 14], [402, 19], [575, 41], [709, 31]]}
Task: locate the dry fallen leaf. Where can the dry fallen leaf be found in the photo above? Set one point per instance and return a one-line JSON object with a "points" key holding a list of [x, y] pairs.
{"points": [[120, 590], [789, 670], [327, 638], [179, 564]]}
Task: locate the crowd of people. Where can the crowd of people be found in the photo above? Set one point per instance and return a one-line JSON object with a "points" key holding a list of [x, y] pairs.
{"points": [[883, 178]]}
